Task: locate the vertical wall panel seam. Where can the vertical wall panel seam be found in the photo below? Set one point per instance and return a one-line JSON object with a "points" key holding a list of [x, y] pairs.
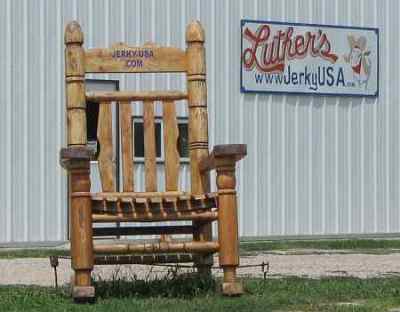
{"points": [[241, 134], [349, 146], [363, 103], [8, 134], [296, 149], [375, 138], [398, 134], [323, 155], [283, 149], [89, 38], [74, 9], [153, 37], [227, 67], [387, 119], [255, 138], [61, 199], [269, 161], [183, 26], [123, 39], [349, 161], [336, 145], [310, 164], [107, 33], [138, 38], [42, 112], [168, 14], [25, 145]]}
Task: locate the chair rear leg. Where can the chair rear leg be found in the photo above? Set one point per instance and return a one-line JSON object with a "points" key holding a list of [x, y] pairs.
{"points": [[203, 232], [228, 227], [81, 236]]}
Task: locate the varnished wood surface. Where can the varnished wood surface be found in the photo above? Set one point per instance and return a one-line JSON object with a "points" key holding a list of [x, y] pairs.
{"points": [[234, 151], [126, 96], [171, 134], [125, 115], [106, 155], [149, 147], [162, 247], [125, 59]]}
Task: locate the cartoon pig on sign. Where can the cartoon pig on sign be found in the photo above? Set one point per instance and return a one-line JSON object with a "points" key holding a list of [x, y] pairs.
{"points": [[358, 58]]}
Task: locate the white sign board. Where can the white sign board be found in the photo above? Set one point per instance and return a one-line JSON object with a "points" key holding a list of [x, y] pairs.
{"points": [[309, 59]]}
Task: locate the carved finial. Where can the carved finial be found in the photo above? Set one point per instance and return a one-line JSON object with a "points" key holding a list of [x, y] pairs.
{"points": [[73, 33], [194, 32]]}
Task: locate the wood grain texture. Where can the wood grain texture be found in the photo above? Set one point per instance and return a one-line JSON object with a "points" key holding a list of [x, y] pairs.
{"points": [[149, 147], [104, 136], [232, 151], [162, 247], [130, 96], [125, 115], [75, 87], [125, 59], [171, 134], [198, 128], [149, 217]]}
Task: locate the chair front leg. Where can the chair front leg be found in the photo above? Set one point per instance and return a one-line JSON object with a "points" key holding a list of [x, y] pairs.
{"points": [[228, 225], [81, 232]]}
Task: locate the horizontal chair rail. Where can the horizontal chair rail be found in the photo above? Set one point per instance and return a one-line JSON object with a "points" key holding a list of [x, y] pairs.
{"points": [[161, 247], [127, 96], [122, 58], [143, 230], [150, 217], [144, 259], [127, 194]]}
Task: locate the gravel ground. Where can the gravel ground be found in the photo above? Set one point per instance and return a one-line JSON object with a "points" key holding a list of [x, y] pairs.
{"points": [[38, 271]]}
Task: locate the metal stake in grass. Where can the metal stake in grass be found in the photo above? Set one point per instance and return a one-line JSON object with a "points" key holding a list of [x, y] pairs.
{"points": [[54, 264]]}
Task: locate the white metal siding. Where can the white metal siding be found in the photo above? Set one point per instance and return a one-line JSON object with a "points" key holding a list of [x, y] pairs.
{"points": [[315, 165]]}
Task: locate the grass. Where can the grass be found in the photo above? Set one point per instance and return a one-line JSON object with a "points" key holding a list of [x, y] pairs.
{"points": [[177, 292], [357, 245], [377, 246], [186, 293]]}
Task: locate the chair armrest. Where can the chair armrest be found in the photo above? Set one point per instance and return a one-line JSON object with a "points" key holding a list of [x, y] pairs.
{"points": [[234, 152], [75, 157]]}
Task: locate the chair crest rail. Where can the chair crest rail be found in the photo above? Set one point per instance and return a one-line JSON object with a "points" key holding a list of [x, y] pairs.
{"points": [[125, 59]]}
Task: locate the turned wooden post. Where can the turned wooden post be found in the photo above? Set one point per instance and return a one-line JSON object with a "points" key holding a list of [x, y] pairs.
{"points": [[78, 166], [198, 128], [228, 224]]}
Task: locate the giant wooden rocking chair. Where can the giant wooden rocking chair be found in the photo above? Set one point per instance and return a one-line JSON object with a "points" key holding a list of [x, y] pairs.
{"points": [[199, 206]]}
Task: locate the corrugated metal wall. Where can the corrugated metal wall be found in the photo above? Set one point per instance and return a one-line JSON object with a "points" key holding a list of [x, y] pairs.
{"points": [[316, 165]]}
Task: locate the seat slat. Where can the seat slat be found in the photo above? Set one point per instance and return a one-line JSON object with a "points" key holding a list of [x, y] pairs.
{"points": [[104, 136], [157, 204], [125, 114], [149, 147], [171, 134]]}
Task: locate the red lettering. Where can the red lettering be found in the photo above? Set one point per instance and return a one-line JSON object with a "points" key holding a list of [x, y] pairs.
{"points": [[269, 53]]}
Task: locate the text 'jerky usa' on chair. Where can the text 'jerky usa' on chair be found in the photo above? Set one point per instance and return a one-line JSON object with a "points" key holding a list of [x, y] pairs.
{"points": [[199, 205]]}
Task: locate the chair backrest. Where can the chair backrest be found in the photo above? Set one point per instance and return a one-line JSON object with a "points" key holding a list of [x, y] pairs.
{"points": [[121, 58]]}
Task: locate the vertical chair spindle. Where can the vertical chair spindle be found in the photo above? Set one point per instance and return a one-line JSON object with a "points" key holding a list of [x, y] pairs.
{"points": [[125, 115], [171, 134], [104, 136], [149, 147]]}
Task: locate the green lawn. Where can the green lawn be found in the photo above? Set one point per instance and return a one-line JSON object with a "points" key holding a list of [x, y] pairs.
{"points": [[356, 245], [289, 294], [192, 294]]}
